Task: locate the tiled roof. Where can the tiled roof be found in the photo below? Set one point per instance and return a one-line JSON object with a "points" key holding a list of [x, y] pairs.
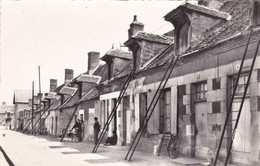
{"points": [[118, 53], [102, 72], [70, 101], [22, 96], [154, 38], [169, 33], [89, 78], [65, 90], [161, 58], [197, 8], [56, 104], [51, 96], [92, 94], [239, 11]]}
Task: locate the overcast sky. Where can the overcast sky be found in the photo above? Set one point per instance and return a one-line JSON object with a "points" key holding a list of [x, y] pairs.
{"points": [[58, 34]]}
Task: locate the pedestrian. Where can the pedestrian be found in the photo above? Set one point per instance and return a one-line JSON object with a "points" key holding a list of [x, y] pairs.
{"points": [[83, 128], [78, 128], [111, 140], [96, 130]]}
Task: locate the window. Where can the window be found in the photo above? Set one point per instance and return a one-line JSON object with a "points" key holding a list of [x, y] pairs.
{"points": [[201, 89], [137, 58], [143, 108], [216, 107], [182, 35], [241, 86]]}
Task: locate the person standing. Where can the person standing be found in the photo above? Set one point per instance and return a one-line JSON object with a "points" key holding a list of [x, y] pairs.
{"points": [[96, 130]]}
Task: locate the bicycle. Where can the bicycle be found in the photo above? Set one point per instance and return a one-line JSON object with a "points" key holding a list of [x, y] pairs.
{"points": [[73, 135], [174, 147]]}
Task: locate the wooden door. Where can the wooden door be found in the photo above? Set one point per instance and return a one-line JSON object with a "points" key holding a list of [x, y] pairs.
{"points": [[201, 130]]}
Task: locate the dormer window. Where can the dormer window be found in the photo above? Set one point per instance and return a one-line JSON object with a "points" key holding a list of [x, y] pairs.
{"points": [[110, 69], [182, 37], [190, 21], [256, 14], [137, 58]]}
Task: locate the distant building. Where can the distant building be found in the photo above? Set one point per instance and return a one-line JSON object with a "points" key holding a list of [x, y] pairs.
{"points": [[6, 114], [20, 101]]}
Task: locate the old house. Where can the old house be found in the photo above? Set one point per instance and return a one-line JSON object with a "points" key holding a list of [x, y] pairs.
{"points": [[68, 107], [144, 47], [88, 104], [20, 101], [211, 41], [61, 94]]}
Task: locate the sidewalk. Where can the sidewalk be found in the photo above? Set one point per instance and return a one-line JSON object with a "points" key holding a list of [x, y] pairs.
{"points": [[117, 154]]}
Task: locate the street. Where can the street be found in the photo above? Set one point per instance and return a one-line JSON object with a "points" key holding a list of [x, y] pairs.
{"points": [[28, 150]]}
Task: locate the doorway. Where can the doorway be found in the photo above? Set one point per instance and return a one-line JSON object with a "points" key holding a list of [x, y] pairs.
{"points": [[126, 101], [241, 147], [201, 130]]}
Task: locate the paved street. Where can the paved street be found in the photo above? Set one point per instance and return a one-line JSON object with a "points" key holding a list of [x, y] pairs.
{"points": [[27, 150]]}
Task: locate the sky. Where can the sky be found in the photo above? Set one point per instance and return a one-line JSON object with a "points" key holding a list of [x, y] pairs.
{"points": [[56, 35]]}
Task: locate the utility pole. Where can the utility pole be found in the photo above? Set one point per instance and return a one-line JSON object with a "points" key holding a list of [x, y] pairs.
{"points": [[32, 104], [39, 69]]}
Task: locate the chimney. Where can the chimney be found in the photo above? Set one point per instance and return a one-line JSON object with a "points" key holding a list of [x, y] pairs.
{"points": [[68, 76], [93, 61], [135, 27], [213, 4], [53, 85]]}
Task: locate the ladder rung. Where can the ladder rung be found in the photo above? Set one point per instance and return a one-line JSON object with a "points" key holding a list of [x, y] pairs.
{"points": [[236, 102], [235, 111]]}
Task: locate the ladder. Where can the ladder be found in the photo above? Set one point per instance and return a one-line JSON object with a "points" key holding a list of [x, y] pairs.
{"points": [[70, 120], [151, 107], [41, 115], [229, 119], [34, 126], [166, 136], [113, 112], [28, 124]]}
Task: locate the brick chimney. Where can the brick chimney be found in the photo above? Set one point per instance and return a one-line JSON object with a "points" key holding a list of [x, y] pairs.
{"points": [[213, 4], [53, 85], [68, 76], [93, 61], [135, 27]]}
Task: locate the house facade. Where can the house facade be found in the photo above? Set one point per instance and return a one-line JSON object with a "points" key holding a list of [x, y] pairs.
{"points": [[20, 101], [210, 41], [195, 100]]}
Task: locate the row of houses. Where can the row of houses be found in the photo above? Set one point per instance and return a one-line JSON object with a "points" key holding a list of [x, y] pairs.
{"points": [[210, 38]]}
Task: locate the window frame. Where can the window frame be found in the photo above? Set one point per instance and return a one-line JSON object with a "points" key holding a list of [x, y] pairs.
{"points": [[200, 90]]}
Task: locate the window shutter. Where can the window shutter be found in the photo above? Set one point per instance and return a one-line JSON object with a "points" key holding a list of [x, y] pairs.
{"points": [[174, 111], [215, 84], [137, 119], [216, 107]]}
